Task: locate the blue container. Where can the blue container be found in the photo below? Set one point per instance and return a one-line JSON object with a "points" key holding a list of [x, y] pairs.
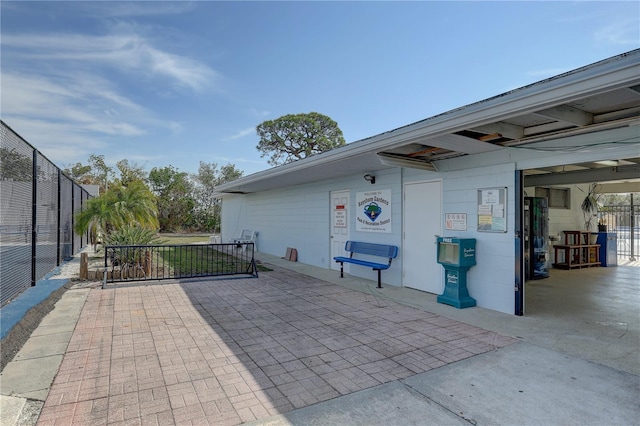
{"points": [[456, 255], [459, 252], [608, 248]]}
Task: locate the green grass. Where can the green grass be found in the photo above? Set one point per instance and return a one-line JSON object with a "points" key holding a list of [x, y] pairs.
{"points": [[199, 260], [204, 260], [169, 239]]}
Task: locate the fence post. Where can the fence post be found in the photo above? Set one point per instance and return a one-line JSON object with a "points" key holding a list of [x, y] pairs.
{"points": [[147, 263], [84, 266], [34, 212], [58, 243], [633, 231]]}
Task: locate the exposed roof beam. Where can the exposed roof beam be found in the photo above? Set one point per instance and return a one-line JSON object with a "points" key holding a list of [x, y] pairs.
{"points": [[619, 187], [460, 144], [548, 127], [582, 176], [507, 130], [568, 114], [617, 115], [394, 160]]}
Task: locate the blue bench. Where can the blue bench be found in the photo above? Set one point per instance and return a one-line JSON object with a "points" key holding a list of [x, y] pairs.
{"points": [[370, 249]]}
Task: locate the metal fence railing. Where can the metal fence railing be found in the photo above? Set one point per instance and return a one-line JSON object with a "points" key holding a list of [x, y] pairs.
{"points": [[36, 215], [162, 262], [625, 222]]}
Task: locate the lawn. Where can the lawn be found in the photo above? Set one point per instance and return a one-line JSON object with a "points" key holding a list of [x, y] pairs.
{"points": [[204, 260], [172, 239], [190, 259]]}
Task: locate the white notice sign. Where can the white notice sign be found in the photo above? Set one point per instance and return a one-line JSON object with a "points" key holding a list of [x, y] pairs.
{"points": [[340, 217]]}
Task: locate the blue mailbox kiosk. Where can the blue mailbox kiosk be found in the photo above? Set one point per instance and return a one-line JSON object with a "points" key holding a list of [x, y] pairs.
{"points": [[456, 255]]}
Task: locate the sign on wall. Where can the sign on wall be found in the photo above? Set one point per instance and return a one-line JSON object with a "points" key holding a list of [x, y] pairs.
{"points": [[492, 210], [373, 211], [455, 221], [340, 216]]}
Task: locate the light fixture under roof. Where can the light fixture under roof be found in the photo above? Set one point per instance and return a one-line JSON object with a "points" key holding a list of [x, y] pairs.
{"points": [[608, 162]]}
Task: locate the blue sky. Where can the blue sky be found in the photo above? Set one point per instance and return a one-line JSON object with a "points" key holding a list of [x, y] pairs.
{"points": [[176, 83]]}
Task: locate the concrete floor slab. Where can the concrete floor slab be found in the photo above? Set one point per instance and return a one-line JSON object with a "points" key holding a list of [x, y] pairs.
{"points": [[385, 405], [30, 378], [68, 308], [528, 385], [226, 352], [591, 313], [10, 409], [48, 330], [44, 345], [301, 361]]}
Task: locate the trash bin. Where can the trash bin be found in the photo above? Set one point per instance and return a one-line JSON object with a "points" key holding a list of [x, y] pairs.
{"points": [[608, 248]]}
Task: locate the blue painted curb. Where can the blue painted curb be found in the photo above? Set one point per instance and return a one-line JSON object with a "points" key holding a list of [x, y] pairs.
{"points": [[14, 311]]}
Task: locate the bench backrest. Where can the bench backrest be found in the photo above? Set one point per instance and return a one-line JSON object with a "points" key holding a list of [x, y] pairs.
{"points": [[372, 249]]}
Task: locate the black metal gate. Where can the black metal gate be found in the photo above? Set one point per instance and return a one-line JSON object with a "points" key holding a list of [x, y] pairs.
{"points": [[163, 262], [624, 221]]}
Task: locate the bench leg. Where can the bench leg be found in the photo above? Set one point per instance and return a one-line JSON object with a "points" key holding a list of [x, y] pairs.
{"points": [[341, 266], [379, 282]]}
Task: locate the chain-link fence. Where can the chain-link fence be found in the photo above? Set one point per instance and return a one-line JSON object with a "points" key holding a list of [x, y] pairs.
{"points": [[37, 202]]}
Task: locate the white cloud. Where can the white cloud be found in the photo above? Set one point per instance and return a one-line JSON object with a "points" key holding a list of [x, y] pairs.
{"points": [[623, 32], [243, 133], [79, 100], [55, 140], [123, 53], [68, 94], [70, 117], [138, 8]]}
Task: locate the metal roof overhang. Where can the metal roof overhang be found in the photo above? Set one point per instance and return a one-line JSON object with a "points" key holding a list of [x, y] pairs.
{"points": [[603, 95]]}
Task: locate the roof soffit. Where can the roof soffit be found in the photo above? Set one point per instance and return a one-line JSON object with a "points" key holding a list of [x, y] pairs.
{"points": [[573, 100]]}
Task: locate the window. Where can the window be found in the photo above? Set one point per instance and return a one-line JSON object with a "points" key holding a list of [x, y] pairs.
{"points": [[558, 198]]}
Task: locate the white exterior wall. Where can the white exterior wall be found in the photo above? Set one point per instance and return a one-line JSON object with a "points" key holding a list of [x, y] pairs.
{"points": [[491, 281], [570, 219], [299, 217], [292, 217]]}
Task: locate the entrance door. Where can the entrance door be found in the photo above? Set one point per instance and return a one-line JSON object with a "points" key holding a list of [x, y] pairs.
{"points": [[422, 221], [339, 226]]}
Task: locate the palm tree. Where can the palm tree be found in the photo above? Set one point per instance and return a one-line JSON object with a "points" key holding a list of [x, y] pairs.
{"points": [[132, 205], [135, 204], [97, 217]]}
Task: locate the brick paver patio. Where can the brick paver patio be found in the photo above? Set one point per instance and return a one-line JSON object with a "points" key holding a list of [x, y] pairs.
{"points": [[231, 351]]}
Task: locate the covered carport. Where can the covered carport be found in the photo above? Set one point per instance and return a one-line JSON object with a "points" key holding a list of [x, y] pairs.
{"points": [[583, 124]]}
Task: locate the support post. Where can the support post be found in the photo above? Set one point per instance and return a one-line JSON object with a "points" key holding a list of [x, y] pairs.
{"points": [[632, 236], [84, 266], [34, 215]]}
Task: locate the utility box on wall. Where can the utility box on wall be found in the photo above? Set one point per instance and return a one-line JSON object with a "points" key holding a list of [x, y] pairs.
{"points": [[456, 255]]}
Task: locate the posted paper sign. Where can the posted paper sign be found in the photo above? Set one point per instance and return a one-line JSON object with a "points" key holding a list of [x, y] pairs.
{"points": [[492, 210], [373, 211], [455, 221], [340, 217]]}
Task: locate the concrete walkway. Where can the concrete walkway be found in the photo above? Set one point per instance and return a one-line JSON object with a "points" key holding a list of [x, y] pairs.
{"points": [[289, 348]]}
